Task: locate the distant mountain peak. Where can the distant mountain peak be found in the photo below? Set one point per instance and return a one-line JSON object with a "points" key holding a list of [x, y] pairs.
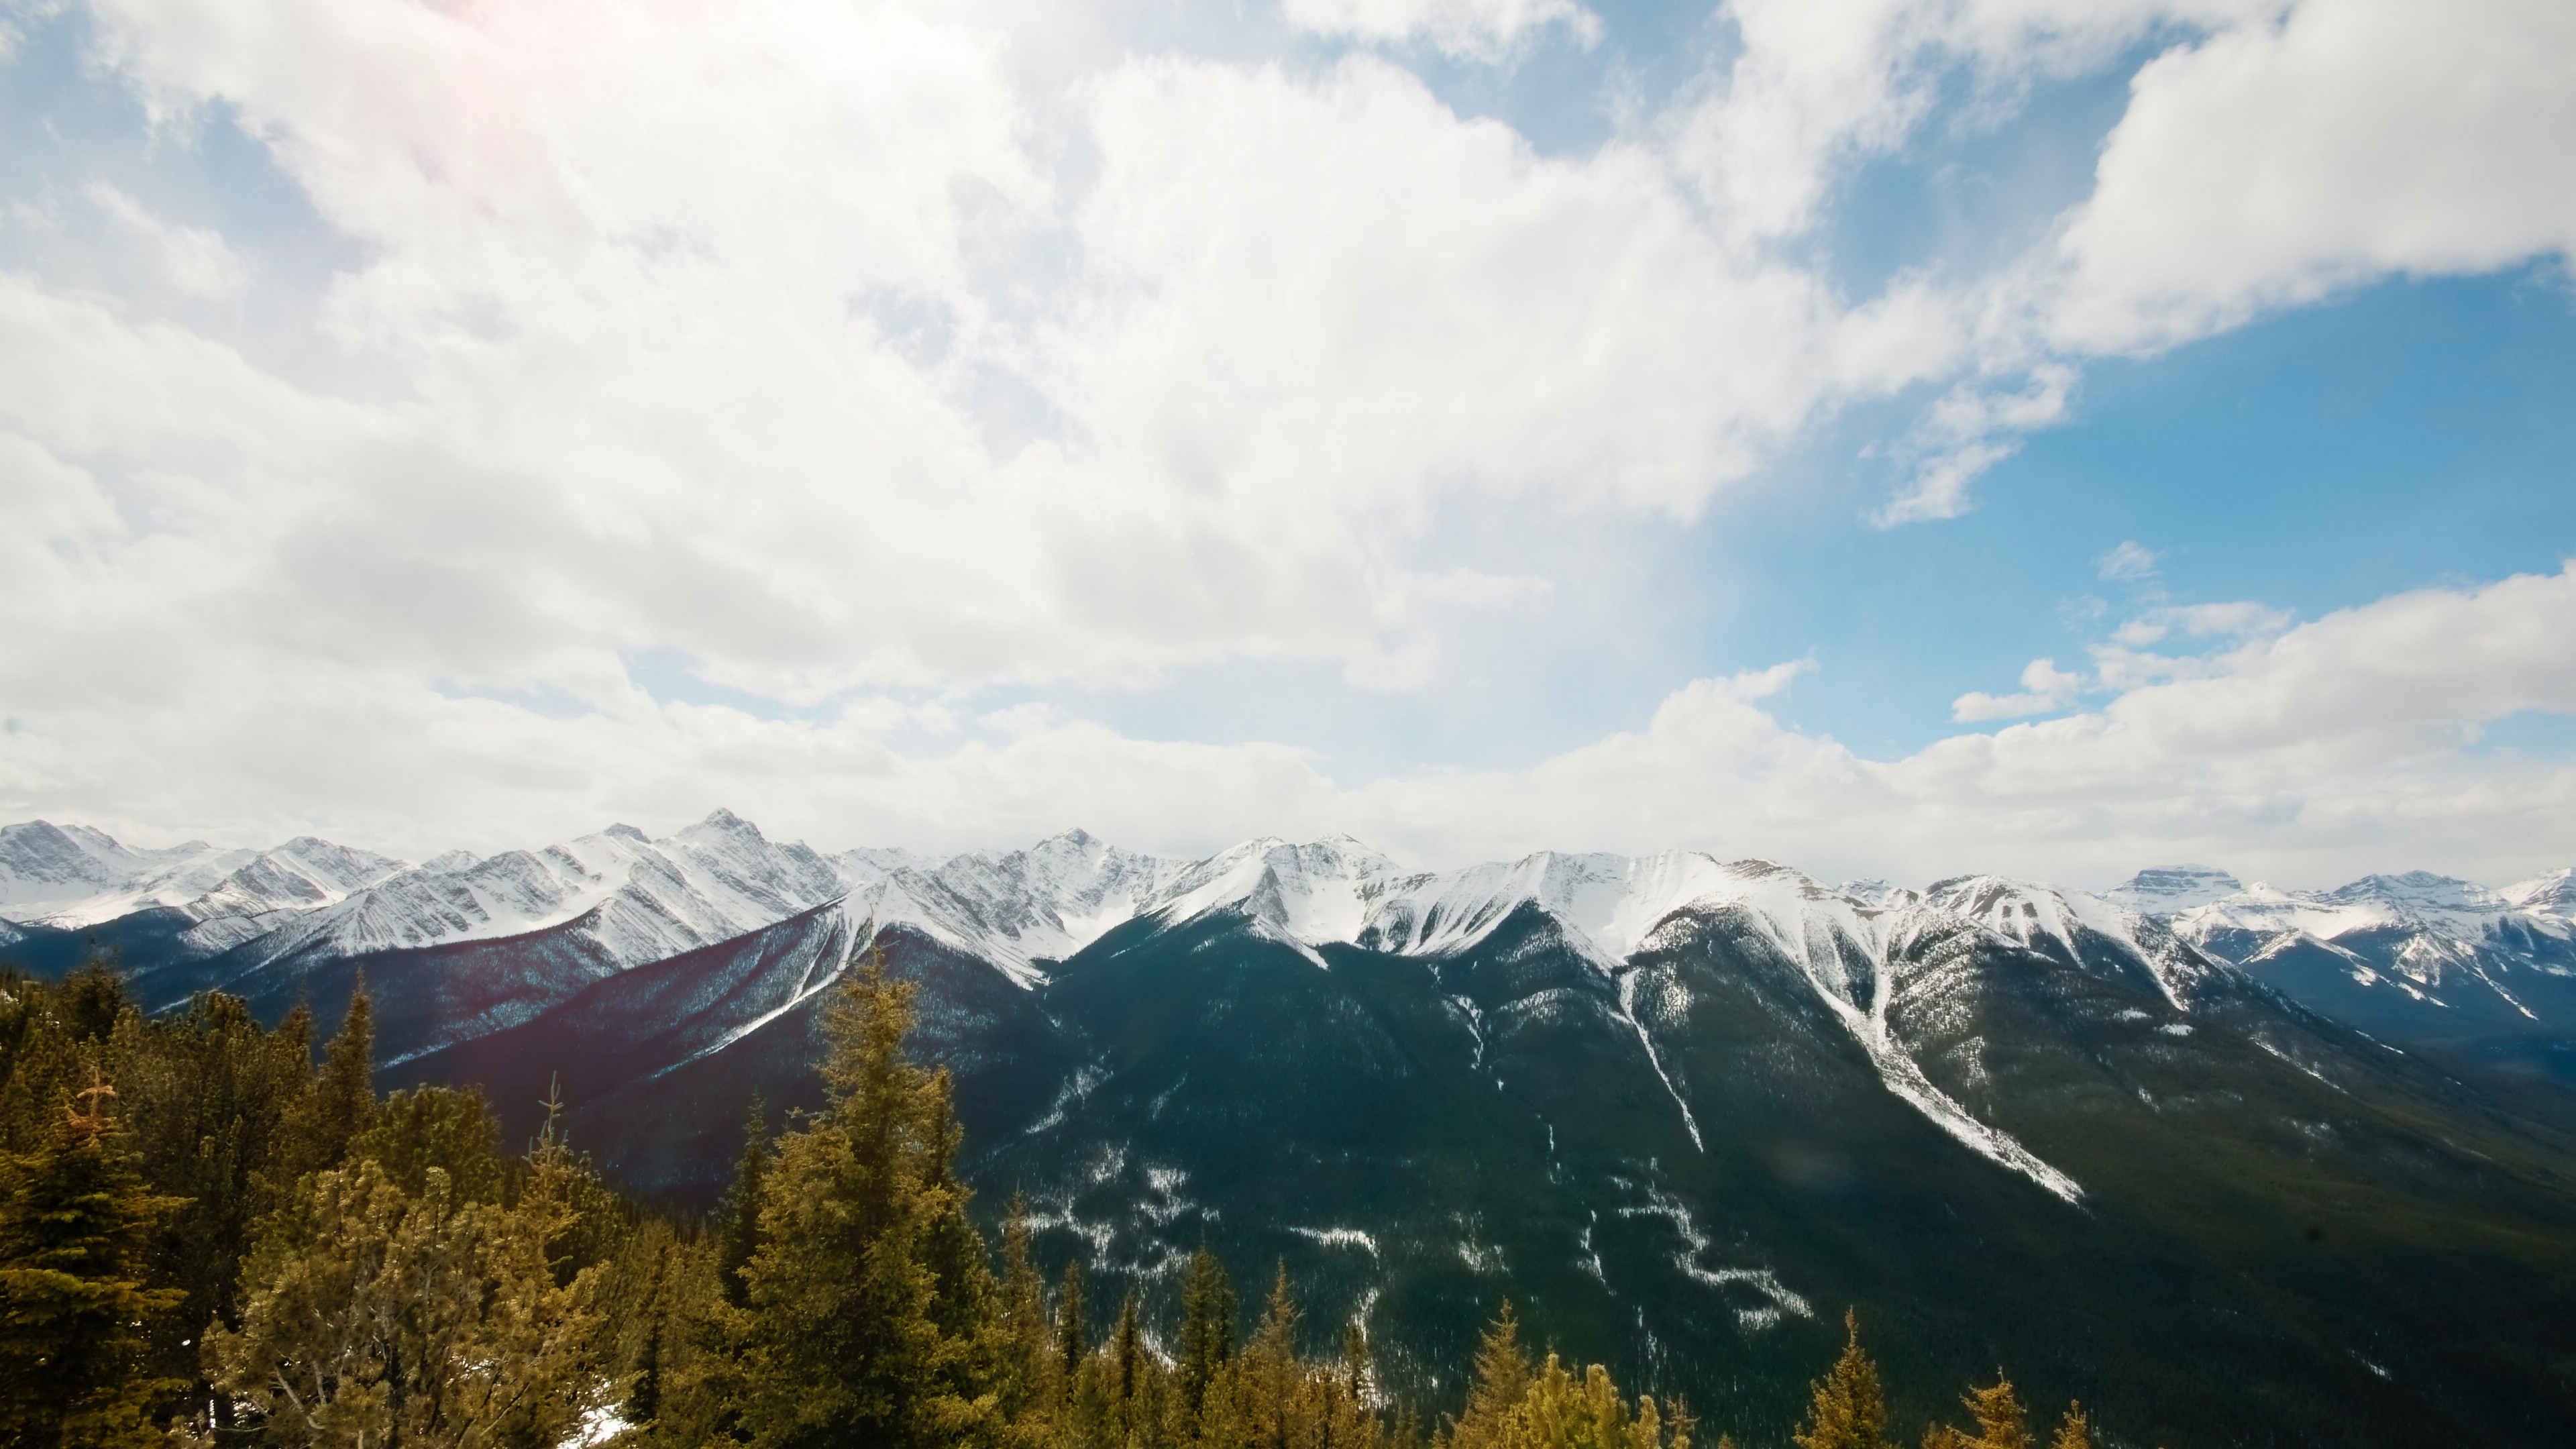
{"points": [[623, 831], [2413, 888], [2163, 889]]}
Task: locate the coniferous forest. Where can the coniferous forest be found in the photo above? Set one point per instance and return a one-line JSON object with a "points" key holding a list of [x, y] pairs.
{"points": [[214, 1235]]}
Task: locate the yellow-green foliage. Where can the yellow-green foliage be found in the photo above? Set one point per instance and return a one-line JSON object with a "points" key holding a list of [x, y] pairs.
{"points": [[229, 1245], [73, 1223], [385, 1316], [1848, 1408], [1513, 1406]]}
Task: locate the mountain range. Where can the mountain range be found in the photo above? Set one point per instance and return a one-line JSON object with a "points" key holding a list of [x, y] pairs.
{"points": [[2202, 1152]]}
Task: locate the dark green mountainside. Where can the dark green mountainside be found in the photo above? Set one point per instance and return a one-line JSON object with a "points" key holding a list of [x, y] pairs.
{"points": [[2277, 1230]]}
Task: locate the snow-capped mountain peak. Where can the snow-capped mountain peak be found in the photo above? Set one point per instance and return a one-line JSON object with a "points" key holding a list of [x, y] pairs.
{"points": [[2551, 894], [2416, 890], [1017, 909], [2168, 888], [75, 876], [302, 874], [1313, 893]]}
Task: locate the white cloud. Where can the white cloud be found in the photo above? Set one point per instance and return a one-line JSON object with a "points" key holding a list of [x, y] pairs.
{"points": [[807, 341], [2235, 620], [2280, 151], [773, 335], [2329, 749], [2046, 689], [1486, 30], [192, 259], [1972, 428], [2129, 563], [2273, 162], [1816, 88], [2287, 152]]}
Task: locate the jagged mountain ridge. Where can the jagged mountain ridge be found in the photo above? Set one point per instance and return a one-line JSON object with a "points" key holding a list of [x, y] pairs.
{"points": [[74, 876], [1680, 1108], [2424, 960], [2416, 957]]}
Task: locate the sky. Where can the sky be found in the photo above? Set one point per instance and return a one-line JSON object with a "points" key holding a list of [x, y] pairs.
{"points": [[1898, 438]]}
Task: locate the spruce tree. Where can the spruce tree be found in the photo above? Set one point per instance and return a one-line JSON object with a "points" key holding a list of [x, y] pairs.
{"points": [[92, 997], [2001, 1421], [2073, 1431], [205, 1098], [1356, 1376], [1271, 1373], [846, 1339], [738, 1219], [1207, 1331], [652, 1307], [1072, 1344], [1127, 1359], [344, 1096], [74, 1227], [1409, 1432], [1848, 1408], [965, 1302], [1023, 1309], [1502, 1381]]}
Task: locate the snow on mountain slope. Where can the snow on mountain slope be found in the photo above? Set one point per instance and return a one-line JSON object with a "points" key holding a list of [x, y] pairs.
{"points": [[2074, 927], [1845, 946], [2416, 957], [2553, 894], [1611, 901], [1312, 893], [73, 876], [1015, 910], [639, 898], [2450, 941], [301, 874]]}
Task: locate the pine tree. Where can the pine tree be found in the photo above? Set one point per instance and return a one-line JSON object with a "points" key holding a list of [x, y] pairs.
{"points": [[738, 1218], [454, 1131], [2074, 1431], [74, 1226], [382, 1318], [1849, 1408]]}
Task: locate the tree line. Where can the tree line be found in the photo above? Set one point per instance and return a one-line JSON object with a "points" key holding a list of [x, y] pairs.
{"points": [[209, 1235]]}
